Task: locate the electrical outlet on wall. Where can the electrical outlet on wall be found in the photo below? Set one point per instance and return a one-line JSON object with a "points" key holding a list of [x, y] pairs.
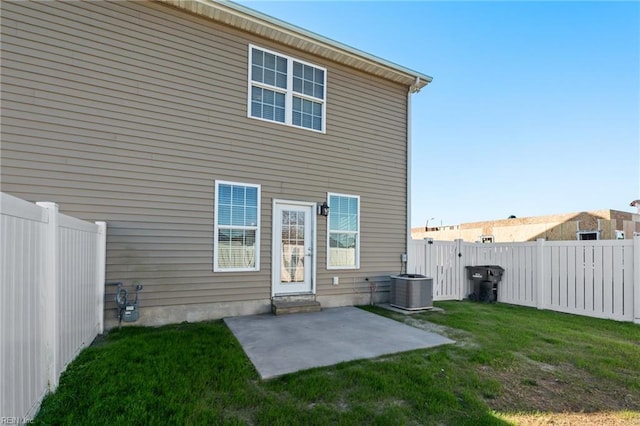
{"points": [[335, 280]]}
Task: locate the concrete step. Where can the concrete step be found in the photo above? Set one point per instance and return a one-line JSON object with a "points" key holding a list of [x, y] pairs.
{"points": [[283, 307]]}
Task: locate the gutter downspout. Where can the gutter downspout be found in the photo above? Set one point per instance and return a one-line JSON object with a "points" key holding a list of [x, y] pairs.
{"points": [[414, 88]]}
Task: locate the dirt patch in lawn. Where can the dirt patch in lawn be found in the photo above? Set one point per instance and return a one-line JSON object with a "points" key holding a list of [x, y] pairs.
{"points": [[530, 386], [573, 419]]}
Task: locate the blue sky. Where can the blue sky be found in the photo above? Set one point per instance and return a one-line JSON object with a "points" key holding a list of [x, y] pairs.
{"points": [[534, 106]]}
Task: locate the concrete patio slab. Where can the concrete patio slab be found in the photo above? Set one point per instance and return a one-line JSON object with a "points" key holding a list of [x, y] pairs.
{"points": [[278, 345]]}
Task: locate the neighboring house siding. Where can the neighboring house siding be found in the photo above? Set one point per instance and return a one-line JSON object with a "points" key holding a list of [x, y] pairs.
{"points": [[128, 113]]}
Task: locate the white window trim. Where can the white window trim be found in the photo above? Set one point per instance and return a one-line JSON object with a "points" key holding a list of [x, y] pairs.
{"points": [[357, 265], [288, 102], [217, 268]]}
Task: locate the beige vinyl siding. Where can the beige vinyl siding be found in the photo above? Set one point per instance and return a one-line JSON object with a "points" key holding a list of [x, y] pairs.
{"points": [[128, 113]]}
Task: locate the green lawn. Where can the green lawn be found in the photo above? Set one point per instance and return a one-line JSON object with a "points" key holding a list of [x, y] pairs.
{"points": [[507, 360]]}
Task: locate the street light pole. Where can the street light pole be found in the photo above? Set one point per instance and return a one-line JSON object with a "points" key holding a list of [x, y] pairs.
{"points": [[426, 226]]}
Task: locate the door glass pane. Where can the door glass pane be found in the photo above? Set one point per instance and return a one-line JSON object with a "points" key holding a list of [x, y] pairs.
{"points": [[293, 250]]}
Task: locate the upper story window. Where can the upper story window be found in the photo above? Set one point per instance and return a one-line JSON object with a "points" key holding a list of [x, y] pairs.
{"points": [[344, 232], [236, 244], [286, 90], [588, 235]]}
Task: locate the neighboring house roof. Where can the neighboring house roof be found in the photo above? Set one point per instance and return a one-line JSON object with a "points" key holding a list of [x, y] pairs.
{"points": [[607, 214], [254, 22]]}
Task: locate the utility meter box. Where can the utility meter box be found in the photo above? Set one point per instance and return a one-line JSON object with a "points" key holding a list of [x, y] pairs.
{"points": [[131, 313]]}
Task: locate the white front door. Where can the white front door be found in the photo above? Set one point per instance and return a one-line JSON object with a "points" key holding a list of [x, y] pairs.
{"points": [[293, 247]]}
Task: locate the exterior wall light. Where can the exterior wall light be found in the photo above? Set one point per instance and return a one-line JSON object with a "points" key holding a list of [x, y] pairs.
{"points": [[323, 209]]}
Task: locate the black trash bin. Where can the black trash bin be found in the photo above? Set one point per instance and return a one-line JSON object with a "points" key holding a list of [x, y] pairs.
{"points": [[485, 280]]}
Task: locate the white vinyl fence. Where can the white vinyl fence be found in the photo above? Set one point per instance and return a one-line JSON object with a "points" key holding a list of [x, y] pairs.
{"points": [[592, 278], [51, 299]]}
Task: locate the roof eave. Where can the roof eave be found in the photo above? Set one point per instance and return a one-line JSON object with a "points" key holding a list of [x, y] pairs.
{"points": [[265, 26]]}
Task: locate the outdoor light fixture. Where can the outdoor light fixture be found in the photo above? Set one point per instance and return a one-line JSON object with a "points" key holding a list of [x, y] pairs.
{"points": [[323, 209]]}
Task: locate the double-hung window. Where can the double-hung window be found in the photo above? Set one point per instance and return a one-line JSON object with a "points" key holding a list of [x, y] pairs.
{"points": [[286, 90], [237, 227], [344, 232]]}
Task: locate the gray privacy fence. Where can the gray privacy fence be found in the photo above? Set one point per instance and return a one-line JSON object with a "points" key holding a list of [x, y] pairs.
{"points": [[592, 278], [51, 295]]}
